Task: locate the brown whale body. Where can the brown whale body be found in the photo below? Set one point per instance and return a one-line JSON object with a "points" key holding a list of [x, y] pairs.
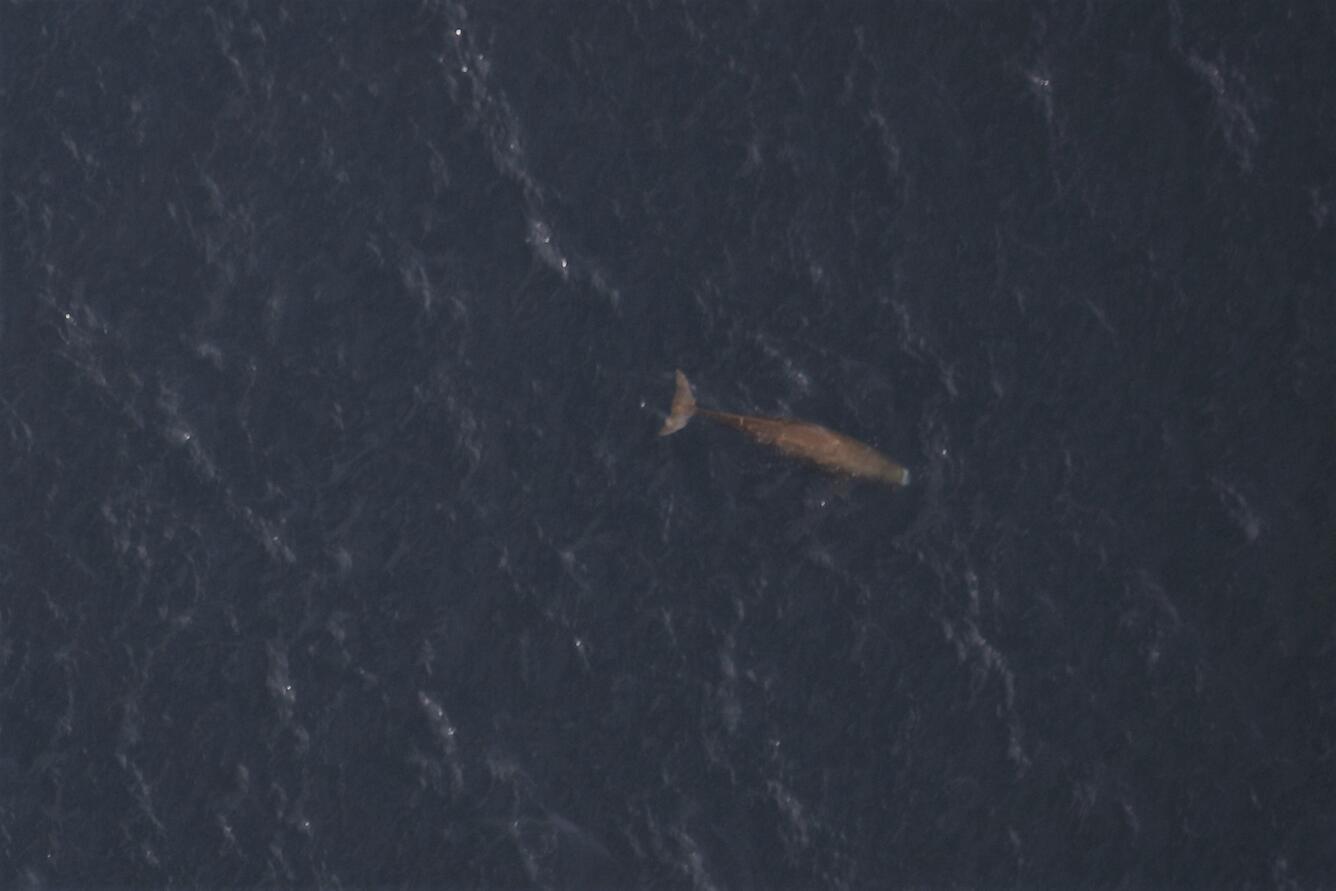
{"points": [[830, 450]]}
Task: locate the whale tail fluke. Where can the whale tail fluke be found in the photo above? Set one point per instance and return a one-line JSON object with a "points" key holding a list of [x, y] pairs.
{"points": [[684, 406]]}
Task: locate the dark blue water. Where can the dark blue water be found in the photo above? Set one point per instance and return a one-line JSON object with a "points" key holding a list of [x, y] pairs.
{"points": [[337, 548]]}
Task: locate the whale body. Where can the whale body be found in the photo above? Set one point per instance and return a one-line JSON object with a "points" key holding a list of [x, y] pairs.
{"points": [[829, 450]]}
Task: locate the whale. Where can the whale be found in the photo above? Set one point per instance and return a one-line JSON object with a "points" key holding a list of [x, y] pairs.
{"points": [[831, 451]]}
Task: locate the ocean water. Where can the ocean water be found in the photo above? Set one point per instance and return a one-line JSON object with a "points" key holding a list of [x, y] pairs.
{"points": [[337, 548]]}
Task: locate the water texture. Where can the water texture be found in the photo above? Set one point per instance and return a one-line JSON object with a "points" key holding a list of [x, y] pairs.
{"points": [[337, 548]]}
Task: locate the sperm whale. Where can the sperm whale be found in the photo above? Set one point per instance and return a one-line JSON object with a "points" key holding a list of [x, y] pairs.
{"points": [[829, 450]]}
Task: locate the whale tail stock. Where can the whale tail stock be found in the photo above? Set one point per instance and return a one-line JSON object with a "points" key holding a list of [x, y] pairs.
{"points": [[684, 406]]}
